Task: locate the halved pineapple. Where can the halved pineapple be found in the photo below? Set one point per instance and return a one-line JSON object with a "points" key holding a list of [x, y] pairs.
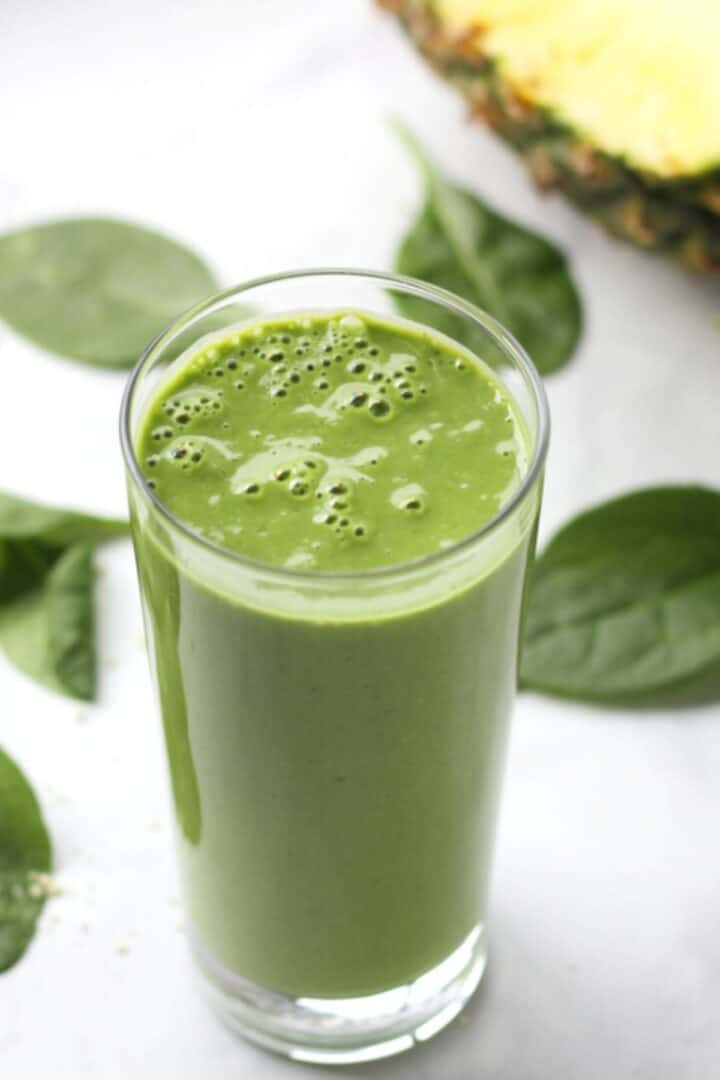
{"points": [[616, 103]]}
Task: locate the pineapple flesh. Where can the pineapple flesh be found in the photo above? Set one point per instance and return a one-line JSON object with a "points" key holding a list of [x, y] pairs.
{"points": [[617, 104]]}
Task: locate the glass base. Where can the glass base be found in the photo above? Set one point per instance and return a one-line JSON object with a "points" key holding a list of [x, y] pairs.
{"points": [[343, 1031]]}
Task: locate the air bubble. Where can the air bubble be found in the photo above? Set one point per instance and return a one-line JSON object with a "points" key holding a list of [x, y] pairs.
{"points": [[239, 385], [231, 365], [420, 437], [251, 489], [410, 497], [337, 489], [281, 474], [358, 398], [294, 377], [378, 408], [278, 391], [407, 395], [355, 367], [298, 487], [183, 418], [359, 531], [374, 351]]}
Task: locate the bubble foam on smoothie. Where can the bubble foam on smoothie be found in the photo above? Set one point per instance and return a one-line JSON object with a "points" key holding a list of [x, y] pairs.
{"points": [[332, 441]]}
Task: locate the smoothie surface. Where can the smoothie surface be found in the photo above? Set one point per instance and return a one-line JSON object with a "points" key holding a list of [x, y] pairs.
{"points": [[332, 441]]}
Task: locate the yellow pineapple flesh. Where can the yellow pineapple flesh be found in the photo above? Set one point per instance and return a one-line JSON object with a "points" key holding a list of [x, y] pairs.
{"points": [[614, 102]]}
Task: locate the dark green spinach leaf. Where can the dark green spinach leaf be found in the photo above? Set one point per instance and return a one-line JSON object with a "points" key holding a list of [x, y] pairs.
{"points": [[25, 859], [71, 621], [625, 600], [96, 290], [46, 592], [460, 244]]}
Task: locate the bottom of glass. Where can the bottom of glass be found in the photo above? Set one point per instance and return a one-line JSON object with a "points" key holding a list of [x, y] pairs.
{"points": [[347, 1030]]}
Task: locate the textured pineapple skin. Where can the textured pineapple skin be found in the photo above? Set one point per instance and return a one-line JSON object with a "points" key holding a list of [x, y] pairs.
{"points": [[681, 217]]}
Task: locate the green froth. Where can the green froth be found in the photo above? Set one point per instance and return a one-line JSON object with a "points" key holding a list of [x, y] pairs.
{"points": [[332, 442]]}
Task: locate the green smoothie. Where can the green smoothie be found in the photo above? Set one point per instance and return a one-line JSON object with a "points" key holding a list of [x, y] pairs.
{"points": [[335, 738]]}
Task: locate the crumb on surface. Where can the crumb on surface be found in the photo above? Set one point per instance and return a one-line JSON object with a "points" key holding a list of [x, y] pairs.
{"points": [[42, 886]]}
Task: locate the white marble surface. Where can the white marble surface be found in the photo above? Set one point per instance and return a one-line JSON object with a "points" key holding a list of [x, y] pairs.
{"points": [[257, 131]]}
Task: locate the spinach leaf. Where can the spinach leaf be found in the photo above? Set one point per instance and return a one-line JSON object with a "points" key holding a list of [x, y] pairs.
{"points": [[96, 290], [46, 592], [71, 622], [25, 857], [23, 520], [24, 637], [625, 600], [460, 244]]}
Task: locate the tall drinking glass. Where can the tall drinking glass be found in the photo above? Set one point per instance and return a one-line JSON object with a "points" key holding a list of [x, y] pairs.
{"points": [[336, 740]]}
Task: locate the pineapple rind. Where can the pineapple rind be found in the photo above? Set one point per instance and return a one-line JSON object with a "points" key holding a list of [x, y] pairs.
{"points": [[680, 216]]}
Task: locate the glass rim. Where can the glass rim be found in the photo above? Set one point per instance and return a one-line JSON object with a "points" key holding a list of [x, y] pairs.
{"points": [[506, 341]]}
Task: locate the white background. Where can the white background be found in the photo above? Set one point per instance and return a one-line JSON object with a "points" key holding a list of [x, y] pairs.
{"points": [[257, 132]]}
